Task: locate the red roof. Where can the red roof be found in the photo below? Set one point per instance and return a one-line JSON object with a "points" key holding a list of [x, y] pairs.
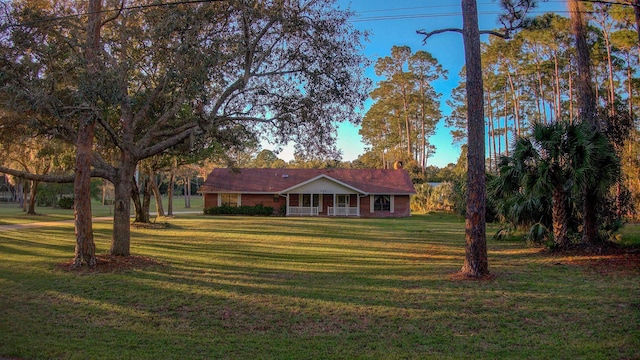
{"points": [[370, 181]]}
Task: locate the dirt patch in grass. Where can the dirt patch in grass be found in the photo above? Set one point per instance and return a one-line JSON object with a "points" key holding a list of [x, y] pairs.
{"points": [[459, 276], [605, 261], [112, 264], [154, 225]]}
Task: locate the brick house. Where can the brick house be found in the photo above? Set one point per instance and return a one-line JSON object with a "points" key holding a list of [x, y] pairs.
{"points": [[313, 192]]}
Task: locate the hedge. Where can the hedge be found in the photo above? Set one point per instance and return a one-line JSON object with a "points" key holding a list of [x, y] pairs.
{"points": [[239, 210]]}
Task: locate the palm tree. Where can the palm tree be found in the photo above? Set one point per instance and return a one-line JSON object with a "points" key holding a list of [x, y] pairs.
{"points": [[558, 159]]}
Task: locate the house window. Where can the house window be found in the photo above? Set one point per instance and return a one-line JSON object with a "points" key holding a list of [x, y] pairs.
{"points": [[382, 203], [229, 200], [342, 200], [306, 200]]}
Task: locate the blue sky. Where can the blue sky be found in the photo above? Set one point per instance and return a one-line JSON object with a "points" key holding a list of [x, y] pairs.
{"points": [[395, 23]]}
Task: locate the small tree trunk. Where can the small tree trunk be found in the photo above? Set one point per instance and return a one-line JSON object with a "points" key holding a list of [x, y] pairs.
{"points": [[560, 218], [25, 196], [104, 191], [156, 194], [32, 198], [146, 198], [141, 215], [187, 192], [172, 181]]}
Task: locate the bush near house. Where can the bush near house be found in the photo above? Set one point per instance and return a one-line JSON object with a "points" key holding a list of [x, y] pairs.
{"points": [[66, 203], [258, 210]]}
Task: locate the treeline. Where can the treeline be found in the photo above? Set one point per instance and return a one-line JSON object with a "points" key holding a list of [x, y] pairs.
{"points": [[529, 79]]}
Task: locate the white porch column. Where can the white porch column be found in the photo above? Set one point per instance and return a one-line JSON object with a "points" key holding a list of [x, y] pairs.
{"points": [[287, 213], [358, 208], [334, 203]]}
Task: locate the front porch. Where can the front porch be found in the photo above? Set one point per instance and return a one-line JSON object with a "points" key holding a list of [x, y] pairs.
{"points": [[323, 205]]}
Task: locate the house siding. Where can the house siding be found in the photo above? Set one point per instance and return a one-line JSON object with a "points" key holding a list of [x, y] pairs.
{"points": [[401, 208], [401, 204], [210, 200]]}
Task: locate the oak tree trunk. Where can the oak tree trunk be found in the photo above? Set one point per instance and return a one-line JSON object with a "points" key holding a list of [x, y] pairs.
{"points": [[85, 246], [121, 239], [32, 198], [476, 263]]}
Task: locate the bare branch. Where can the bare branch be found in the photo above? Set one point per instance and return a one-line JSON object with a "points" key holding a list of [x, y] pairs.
{"points": [[495, 33], [429, 34], [167, 143], [114, 16]]}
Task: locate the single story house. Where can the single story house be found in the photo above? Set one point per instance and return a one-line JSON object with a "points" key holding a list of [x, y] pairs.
{"points": [[313, 192]]}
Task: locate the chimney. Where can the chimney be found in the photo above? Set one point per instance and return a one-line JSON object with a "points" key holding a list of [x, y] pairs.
{"points": [[397, 165]]}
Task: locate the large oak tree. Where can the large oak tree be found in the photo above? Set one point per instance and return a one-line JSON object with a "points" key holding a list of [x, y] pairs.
{"points": [[212, 74]]}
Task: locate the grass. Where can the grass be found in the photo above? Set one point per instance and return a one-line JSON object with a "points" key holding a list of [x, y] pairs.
{"points": [[311, 288], [12, 213]]}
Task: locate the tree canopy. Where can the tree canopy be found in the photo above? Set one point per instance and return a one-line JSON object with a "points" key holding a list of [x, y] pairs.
{"points": [[208, 74]]}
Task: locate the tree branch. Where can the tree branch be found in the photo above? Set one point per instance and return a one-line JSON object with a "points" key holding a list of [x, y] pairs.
{"points": [[495, 33], [427, 35], [166, 144], [66, 178]]}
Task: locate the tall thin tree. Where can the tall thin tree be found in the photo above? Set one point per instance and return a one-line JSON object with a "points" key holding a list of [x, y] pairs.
{"points": [[476, 261]]}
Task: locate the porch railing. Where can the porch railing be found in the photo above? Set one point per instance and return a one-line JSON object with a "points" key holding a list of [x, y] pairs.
{"points": [[342, 211], [303, 210]]}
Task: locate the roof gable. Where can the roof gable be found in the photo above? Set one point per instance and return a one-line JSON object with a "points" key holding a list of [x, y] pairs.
{"points": [[318, 180], [275, 181]]}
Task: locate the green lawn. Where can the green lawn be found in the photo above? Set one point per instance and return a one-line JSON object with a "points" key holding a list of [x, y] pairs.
{"points": [[311, 288], [11, 213]]}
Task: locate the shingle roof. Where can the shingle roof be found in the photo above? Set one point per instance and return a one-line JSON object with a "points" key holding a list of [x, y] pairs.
{"points": [[371, 181]]}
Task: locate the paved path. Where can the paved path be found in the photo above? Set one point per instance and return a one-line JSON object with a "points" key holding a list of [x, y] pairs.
{"points": [[69, 222]]}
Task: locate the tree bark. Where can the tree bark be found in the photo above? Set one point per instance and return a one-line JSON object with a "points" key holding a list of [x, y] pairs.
{"points": [[172, 178], [121, 238], [156, 194], [85, 246], [25, 196], [584, 88], [32, 198], [187, 191], [476, 262], [560, 218], [586, 110], [140, 215], [146, 198]]}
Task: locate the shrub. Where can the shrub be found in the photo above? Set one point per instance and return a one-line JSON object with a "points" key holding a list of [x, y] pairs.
{"points": [[66, 203], [259, 210]]}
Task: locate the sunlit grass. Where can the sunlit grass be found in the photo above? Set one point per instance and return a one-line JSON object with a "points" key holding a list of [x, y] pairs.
{"points": [[12, 213], [245, 287]]}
